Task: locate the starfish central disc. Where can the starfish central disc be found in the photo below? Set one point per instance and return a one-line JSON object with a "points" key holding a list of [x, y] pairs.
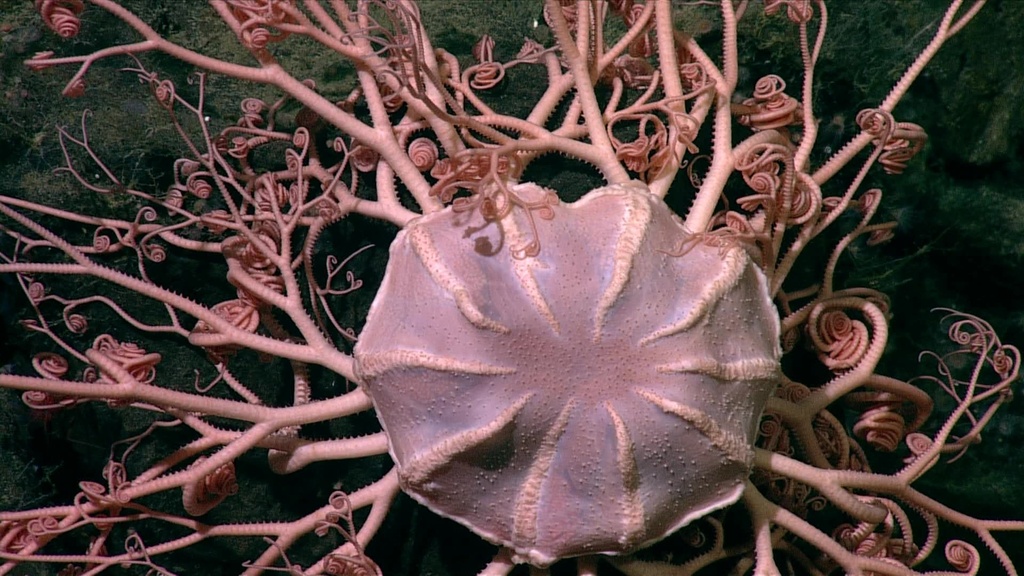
{"points": [[590, 399]]}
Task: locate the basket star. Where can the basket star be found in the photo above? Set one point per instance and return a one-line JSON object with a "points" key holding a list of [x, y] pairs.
{"points": [[591, 398]]}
